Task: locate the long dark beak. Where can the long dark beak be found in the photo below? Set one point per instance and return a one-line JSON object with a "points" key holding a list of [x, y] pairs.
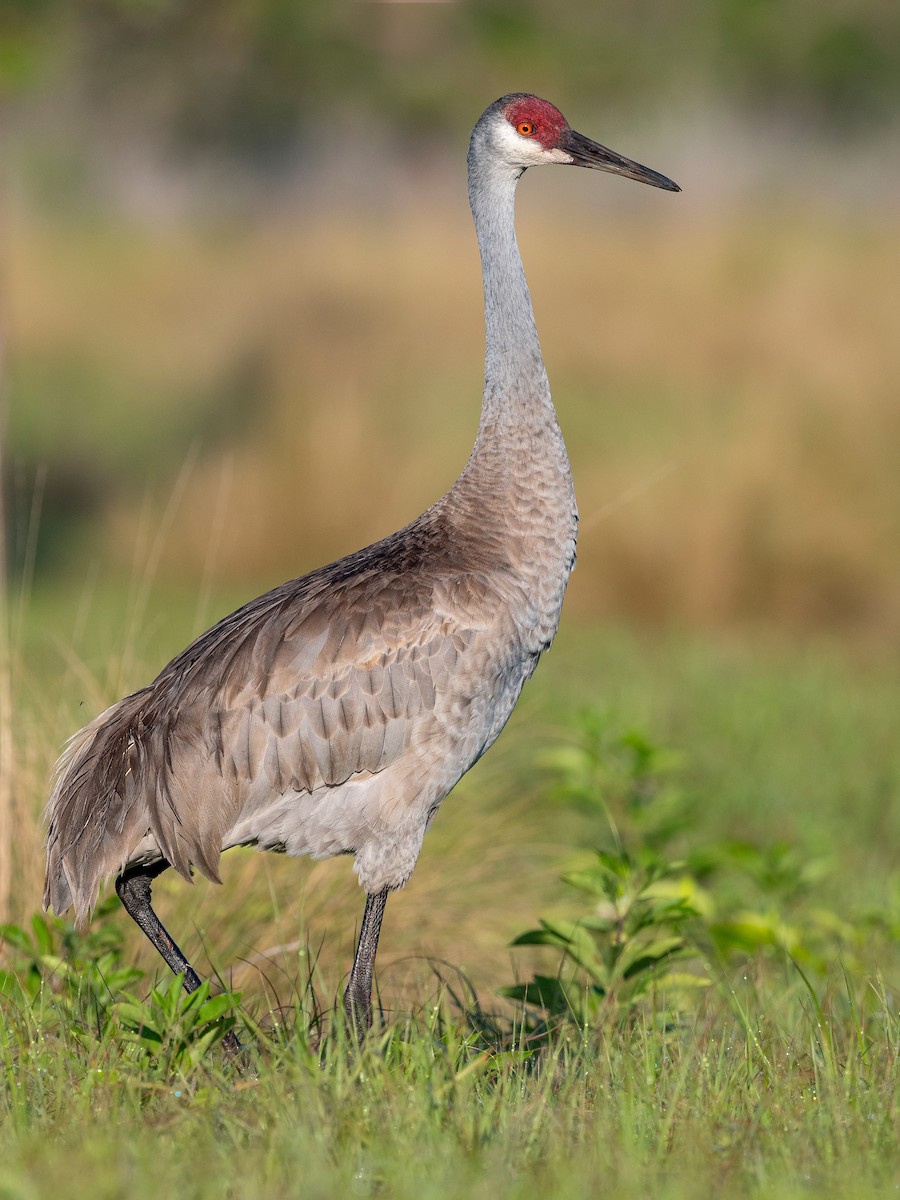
{"points": [[586, 153]]}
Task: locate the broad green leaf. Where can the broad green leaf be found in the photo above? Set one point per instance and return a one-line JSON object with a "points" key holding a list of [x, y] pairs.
{"points": [[217, 1006], [15, 935], [639, 956], [43, 935]]}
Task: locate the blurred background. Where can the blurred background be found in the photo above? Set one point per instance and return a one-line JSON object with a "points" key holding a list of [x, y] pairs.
{"points": [[240, 286], [242, 331]]}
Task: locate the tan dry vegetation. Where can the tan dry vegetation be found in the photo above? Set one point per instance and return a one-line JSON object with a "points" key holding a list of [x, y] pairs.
{"points": [[729, 385]]}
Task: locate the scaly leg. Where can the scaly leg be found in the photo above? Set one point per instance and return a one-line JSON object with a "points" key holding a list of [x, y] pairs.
{"points": [[358, 996], [133, 887]]}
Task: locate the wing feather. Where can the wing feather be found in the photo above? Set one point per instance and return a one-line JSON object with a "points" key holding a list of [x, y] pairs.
{"points": [[330, 676]]}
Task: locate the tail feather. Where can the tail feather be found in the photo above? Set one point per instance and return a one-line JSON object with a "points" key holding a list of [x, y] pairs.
{"points": [[104, 801]]}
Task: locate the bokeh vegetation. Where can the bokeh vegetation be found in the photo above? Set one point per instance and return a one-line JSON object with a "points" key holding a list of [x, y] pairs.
{"points": [[222, 220], [242, 335], [245, 78]]}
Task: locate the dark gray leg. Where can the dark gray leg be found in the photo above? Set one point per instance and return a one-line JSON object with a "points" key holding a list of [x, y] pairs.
{"points": [[133, 887], [358, 996]]}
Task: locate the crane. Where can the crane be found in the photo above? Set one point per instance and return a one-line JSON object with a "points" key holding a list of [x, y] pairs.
{"points": [[333, 714]]}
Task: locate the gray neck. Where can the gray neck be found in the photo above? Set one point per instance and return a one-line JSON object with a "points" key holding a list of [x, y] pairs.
{"points": [[517, 483], [515, 382], [514, 500]]}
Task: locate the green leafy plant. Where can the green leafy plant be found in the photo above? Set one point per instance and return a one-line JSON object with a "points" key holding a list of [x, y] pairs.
{"points": [[175, 1029], [79, 972], [623, 776], [630, 941], [81, 976], [634, 938], [658, 912]]}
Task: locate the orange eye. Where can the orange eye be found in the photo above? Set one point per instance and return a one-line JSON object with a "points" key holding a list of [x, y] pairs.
{"points": [[525, 128]]}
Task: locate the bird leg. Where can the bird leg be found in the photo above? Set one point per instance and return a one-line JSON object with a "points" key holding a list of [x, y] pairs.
{"points": [[133, 887], [358, 996]]}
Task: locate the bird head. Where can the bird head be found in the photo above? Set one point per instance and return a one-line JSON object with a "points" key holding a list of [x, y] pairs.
{"points": [[525, 131]]}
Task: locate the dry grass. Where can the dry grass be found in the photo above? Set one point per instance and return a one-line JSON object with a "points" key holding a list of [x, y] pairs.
{"points": [[728, 384]]}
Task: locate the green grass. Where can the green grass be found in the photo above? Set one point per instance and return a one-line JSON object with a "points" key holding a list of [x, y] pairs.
{"points": [[778, 1078], [722, 1105]]}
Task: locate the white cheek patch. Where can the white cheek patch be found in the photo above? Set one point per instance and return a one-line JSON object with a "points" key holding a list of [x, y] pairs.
{"points": [[523, 151]]}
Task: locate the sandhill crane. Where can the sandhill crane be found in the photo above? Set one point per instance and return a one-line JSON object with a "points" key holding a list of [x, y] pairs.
{"points": [[334, 714]]}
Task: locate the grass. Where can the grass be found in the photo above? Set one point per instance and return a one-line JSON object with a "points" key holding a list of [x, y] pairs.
{"points": [[749, 1099], [775, 1080], [744, 383]]}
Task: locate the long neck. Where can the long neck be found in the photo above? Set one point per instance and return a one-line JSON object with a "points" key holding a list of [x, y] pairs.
{"points": [[515, 382], [517, 483], [514, 500]]}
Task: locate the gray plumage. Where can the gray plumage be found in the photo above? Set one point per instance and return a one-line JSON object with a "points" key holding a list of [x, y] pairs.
{"points": [[334, 714]]}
